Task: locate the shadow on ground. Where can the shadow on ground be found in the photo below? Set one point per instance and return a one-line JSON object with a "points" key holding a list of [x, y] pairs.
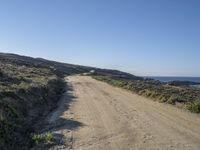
{"points": [[59, 124]]}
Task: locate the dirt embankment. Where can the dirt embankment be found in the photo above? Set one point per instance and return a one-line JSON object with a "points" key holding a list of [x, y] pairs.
{"points": [[104, 117], [21, 109]]}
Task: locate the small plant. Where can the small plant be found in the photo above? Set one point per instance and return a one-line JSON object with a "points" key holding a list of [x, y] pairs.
{"points": [[42, 138], [194, 107]]}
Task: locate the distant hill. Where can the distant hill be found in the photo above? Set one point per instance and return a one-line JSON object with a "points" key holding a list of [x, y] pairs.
{"points": [[62, 68]]}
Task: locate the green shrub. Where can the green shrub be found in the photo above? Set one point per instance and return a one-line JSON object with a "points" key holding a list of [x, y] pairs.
{"points": [[42, 138], [194, 107], [172, 99]]}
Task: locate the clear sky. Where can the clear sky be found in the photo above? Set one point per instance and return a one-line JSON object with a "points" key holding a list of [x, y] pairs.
{"points": [[143, 37]]}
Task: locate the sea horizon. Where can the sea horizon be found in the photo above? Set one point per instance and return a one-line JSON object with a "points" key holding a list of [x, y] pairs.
{"points": [[175, 78]]}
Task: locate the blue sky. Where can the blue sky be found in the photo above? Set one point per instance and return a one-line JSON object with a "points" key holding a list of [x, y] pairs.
{"points": [[143, 37]]}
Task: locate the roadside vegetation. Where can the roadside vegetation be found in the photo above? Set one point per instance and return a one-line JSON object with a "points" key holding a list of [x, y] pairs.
{"points": [[26, 92], [182, 96]]}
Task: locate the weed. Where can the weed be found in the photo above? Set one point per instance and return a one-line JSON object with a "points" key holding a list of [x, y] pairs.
{"points": [[42, 138]]}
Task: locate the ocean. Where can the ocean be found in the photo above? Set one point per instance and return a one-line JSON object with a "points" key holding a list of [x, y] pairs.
{"points": [[168, 79]]}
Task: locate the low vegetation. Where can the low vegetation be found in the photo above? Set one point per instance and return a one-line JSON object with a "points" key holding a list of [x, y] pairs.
{"points": [[184, 96], [42, 138], [25, 93]]}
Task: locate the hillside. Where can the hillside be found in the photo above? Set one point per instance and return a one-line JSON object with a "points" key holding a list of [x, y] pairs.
{"points": [[29, 89]]}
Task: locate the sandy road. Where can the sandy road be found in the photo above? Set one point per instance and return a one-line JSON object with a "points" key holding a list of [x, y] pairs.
{"points": [[102, 117]]}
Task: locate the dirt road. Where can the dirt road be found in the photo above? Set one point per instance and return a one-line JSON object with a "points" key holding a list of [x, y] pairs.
{"points": [[96, 116]]}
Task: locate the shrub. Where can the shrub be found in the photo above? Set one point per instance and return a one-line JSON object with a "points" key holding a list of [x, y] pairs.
{"points": [[42, 138], [194, 107], [172, 99]]}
